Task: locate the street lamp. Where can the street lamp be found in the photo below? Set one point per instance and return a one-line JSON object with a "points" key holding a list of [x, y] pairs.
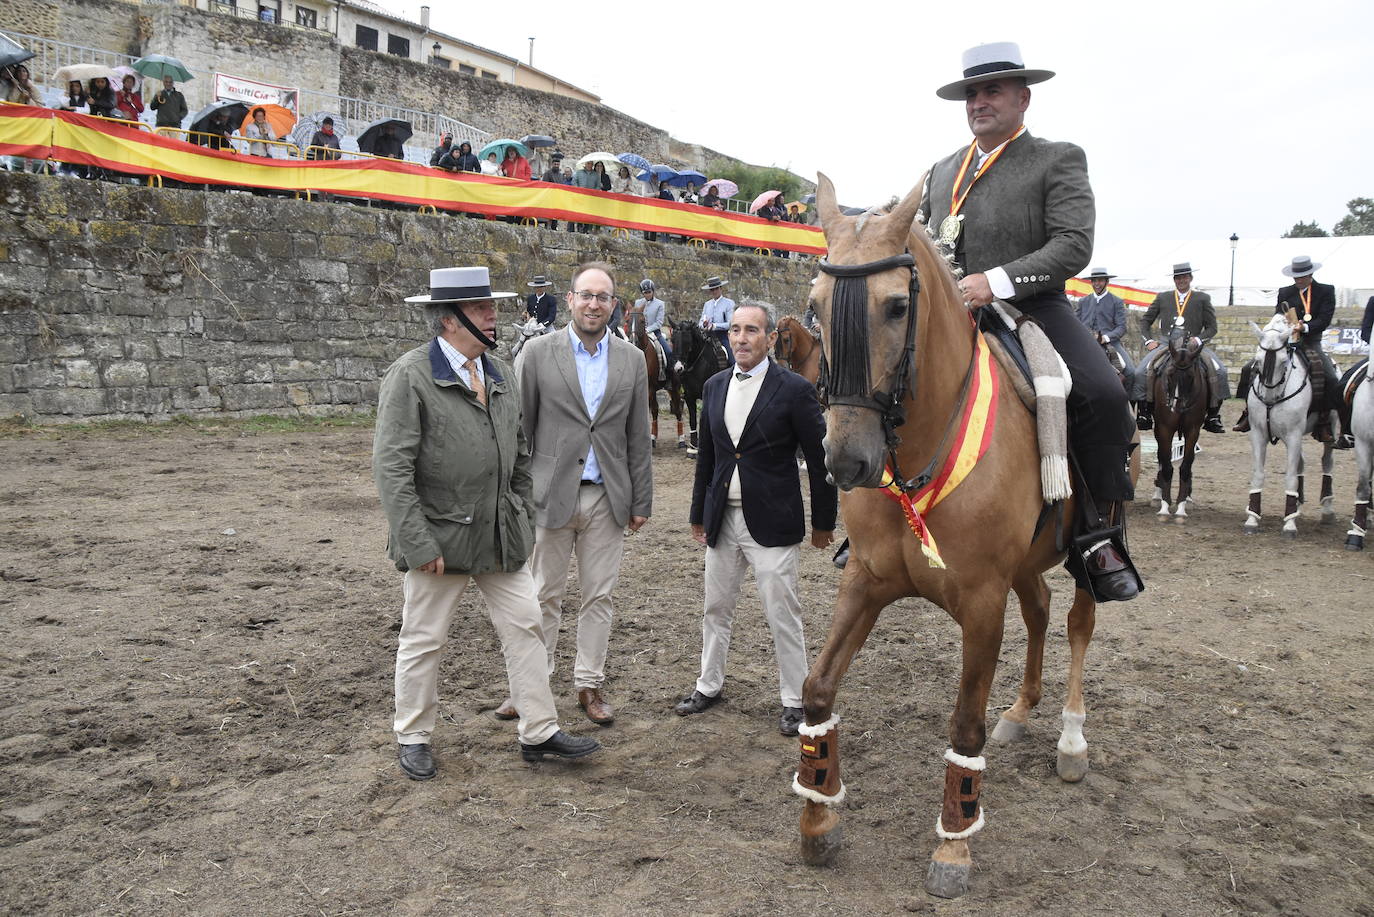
{"points": [[1231, 298], [531, 50], [434, 59]]}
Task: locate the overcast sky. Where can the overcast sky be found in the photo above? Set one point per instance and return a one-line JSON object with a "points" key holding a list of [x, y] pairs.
{"points": [[1199, 119]]}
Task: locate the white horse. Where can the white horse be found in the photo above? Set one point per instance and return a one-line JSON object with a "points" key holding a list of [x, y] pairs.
{"points": [[1362, 426], [1278, 400], [525, 331]]}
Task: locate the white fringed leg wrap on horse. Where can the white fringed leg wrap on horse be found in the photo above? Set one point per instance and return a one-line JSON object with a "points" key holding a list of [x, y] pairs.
{"points": [[961, 816], [818, 777], [1052, 387]]}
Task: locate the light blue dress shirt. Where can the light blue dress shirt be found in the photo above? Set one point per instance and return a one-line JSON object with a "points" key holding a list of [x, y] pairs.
{"points": [[719, 312], [592, 369]]}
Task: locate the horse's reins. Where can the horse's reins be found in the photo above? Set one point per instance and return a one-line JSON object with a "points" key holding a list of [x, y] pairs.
{"points": [[889, 404], [1258, 382]]}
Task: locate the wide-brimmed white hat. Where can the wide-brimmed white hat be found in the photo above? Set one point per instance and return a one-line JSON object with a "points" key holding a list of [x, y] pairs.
{"points": [[1183, 267], [989, 62], [1302, 266], [714, 283], [459, 284], [1099, 273]]}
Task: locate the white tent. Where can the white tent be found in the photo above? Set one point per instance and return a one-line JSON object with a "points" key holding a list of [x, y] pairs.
{"points": [[1346, 262]]}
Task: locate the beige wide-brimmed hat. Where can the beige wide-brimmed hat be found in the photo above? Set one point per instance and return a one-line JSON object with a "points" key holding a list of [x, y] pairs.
{"points": [[1302, 266], [459, 284], [989, 62], [1099, 273], [714, 283]]}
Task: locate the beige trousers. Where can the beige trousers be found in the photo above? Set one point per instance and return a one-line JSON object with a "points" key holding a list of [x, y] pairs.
{"points": [[430, 601], [592, 533], [775, 572]]}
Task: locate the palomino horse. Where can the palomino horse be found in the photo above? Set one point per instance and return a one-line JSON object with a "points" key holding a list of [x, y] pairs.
{"points": [[1279, 398], [640, 338], [798, 348], [880, 267], [1362, 427], [699, 357], [1180, 400]]}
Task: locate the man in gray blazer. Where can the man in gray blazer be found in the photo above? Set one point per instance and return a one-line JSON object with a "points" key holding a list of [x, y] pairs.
{"points": [[585, 397], [1104, 314], [1017, 213]]}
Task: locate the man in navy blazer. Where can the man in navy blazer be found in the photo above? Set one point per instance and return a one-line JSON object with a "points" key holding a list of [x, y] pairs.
{"points": [[747, 504]]}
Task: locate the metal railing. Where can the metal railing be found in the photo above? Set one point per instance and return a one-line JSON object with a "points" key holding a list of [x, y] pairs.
{"points": [[230, 9]]}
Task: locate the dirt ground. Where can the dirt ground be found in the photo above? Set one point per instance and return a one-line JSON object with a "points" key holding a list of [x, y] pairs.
{"points": [[198, 627]]}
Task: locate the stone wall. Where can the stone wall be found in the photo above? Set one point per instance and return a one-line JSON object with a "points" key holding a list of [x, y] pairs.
{"points": [[123, 301], [108, 24]]}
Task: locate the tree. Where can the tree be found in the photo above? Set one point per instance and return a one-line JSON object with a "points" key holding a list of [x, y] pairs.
{"points": [[1303, 230], [1359, 221]]}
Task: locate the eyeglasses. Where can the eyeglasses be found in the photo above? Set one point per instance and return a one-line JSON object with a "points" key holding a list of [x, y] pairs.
{"points": [[586, 296]]}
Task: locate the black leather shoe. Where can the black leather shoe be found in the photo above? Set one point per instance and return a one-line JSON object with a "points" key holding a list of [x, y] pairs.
{"points": [[697, 702], [1345, 441], [1145, 419], [560, 745], [416, 761], [791, 718], [1213, 424], [1112, 579], [842, 555]]}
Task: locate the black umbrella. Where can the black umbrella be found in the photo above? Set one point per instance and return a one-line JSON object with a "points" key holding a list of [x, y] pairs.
{"points": [[534, 141], [11, 52], [367, 140], [234, 112]]}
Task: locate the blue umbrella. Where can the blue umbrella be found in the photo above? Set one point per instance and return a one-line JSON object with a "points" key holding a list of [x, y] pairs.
{"points": [[686, 177], [658, 173], [499, 148], [634, 161]]}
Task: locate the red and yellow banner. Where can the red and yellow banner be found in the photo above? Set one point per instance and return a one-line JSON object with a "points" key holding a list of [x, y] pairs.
{"points": [[69, 137], [970, 443], [1131, 296]]}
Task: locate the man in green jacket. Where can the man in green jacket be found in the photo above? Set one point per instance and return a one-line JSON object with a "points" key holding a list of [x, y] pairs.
{"points": [[453, 472]]}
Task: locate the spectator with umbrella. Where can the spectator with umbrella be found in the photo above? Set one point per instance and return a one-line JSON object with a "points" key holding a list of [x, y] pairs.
{"points": [[442, 150], [515, 165], [129, 101], [100, 96], [385, 137], [324, 143], [19, 89], [768, 201], [460, 159], [212, 126], [490, 166], [625, 182], [266, 122], [169, 104], [555, 173]]}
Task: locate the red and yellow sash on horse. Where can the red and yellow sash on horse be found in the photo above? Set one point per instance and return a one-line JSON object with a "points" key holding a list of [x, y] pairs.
{"points": [[969, 444]]}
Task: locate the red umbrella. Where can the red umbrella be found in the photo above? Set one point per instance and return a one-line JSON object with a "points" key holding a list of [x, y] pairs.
{"points": [[762, 199]]}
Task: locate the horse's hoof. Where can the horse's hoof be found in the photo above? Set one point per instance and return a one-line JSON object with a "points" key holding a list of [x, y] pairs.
{"points": [[1249, 530], [821, 849], [1290, 534], [1327, 519], [1180, 518], [1008, 730], [1072, 768], [947, 880], [1354, 543]]}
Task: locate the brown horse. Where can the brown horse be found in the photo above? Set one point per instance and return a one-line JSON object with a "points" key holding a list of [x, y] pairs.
{"points": [[798, 348], [1180, 396], [987, 527], [634, 325]]}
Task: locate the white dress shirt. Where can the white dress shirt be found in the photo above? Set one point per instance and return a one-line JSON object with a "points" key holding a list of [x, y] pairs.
{"points": [[739, 401]]}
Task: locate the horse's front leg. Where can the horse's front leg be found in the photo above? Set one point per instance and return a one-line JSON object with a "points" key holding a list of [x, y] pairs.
{"points": [[1072, 765], [653, 415], [1354, 539], [1164, 448], [817, 780], [1035, 611], [1185, 474], [1292, 483], [1328, 491], [960, 815], [1259, 444]]}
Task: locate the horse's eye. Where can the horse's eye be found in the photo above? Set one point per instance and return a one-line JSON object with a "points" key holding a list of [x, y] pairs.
{"points": [[896, 307]]}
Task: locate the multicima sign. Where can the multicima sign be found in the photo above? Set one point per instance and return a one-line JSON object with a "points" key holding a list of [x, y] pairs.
{"points": [[254, 93]]}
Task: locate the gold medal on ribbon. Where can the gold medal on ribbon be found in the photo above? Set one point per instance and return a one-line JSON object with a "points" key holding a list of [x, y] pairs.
{"points": [[950, 227]]}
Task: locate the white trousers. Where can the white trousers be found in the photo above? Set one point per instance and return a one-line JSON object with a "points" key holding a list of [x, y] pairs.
{"points": [[430, 601], [775, 572], [592, 533]]}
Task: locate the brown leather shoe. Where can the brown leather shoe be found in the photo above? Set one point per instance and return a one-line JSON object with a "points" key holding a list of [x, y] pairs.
{"points": [[506, 711], [1242, 425], [598, 711]]}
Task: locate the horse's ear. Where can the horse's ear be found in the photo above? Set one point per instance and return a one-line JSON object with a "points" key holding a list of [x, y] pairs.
{"points": [[904, 214], [825, 200], [1259, 332]]}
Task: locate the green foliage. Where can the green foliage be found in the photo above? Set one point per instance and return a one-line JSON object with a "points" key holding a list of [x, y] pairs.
{"points": [[1303, 230], [1359, 221], [754, 180]]}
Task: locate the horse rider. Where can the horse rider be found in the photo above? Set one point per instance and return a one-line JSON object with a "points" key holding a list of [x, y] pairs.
{"points": [[1104, 314], [1018, 213], [1192, 310], [655, 313], [1315, 304], [541, 305], [716, 312]]}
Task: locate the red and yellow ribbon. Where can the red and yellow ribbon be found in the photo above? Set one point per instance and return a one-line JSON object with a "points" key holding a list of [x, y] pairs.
{"points": [[970, 442], [41, 133], [956, 200]]}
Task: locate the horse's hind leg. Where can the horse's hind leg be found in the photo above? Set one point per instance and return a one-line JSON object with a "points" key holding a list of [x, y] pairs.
{"points": [[1073, 748], [1328, 494], [1185, 474], [817, 780], [1035, 611], [960, 814]]}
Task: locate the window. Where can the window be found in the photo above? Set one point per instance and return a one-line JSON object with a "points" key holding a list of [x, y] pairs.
{"points": [[397, 45], [488, 75], [306, 18], [444, 62], [267, 14], [466, 70], [366, 38]]}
